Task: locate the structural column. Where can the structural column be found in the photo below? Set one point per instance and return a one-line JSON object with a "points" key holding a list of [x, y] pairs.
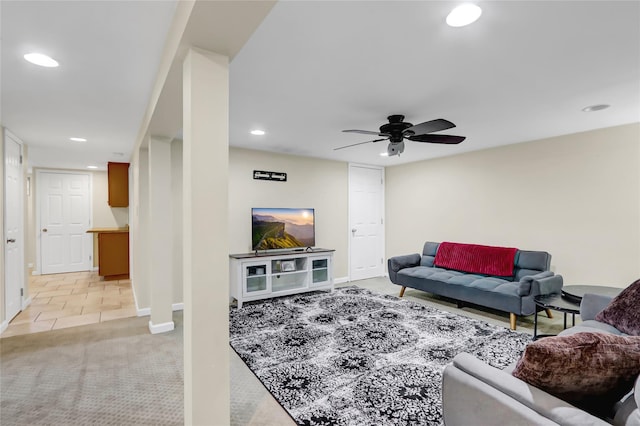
{"points": [[206, 255], [160, 236], [139, 235]]}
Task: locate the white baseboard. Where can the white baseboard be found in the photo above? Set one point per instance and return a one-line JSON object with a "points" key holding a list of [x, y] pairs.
{"points": [[35, 273], [29, 265], [95, 268], [178, 306], [161, 328], [4, 326], [341, 280], [143, 312]]}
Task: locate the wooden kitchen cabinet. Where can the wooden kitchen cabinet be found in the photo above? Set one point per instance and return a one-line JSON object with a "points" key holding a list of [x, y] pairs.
{"points": [[118, 177], [113, 253]]}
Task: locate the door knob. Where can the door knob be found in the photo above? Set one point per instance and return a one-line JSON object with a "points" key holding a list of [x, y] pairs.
{"points": [[354, 230], [44, 229], [11, 240]]}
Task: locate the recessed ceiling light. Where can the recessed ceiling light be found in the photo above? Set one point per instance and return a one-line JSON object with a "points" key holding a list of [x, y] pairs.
{"points": [[464, 14], [257, 132], [592, 108], [92, 167], [78, 139], [41, 60]]}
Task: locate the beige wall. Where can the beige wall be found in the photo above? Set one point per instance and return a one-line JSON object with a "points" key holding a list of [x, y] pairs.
{"points": [[575, 196], [321, 184], [103, 215]]}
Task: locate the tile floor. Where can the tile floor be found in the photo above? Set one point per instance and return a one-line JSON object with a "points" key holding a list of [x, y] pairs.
{"points": [[73, 299]]}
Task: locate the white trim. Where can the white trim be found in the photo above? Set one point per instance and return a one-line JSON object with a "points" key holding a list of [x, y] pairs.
{"points": [[341, 280], [161, 328], [94, 268], [4, 326], [178, 306], [34, 272]]}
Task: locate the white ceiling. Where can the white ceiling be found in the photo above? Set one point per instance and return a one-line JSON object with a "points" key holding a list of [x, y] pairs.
{"points": [[523, 71]]}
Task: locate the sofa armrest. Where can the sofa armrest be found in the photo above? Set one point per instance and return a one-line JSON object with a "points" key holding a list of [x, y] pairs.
{"points": [[400, 262], [591, 304], [476, 393], [542, 283]]}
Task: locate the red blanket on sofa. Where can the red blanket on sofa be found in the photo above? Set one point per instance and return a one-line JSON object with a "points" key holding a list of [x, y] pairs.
{"points": [[478, 259]]}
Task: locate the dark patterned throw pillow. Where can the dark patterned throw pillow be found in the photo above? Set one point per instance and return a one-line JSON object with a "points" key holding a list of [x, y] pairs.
{"points": [[589, 370], [624, 311]]}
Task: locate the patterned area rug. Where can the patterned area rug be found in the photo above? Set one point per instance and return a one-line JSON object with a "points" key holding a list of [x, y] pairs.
{"points": [[353, 357]]}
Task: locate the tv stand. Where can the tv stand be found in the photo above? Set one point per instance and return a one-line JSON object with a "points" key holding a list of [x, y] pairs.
{"points": [[255, 276]]}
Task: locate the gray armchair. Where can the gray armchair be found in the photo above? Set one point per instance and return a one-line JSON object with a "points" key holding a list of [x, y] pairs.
{"points": [[476, 394]]}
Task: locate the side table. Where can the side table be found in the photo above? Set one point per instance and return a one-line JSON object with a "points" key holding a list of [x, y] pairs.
{"points": [[557, 303]]}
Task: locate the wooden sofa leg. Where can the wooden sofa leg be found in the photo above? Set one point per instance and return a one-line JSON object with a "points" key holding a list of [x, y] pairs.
{"points": [[548, 311], [402, 291], [512, 320]]}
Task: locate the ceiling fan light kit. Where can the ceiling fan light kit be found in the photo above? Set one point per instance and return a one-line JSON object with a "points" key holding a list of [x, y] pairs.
{"points": [[397, 130]]}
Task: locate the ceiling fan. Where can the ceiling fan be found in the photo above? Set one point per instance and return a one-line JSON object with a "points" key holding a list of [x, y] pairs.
{"points": [[397, 130]]}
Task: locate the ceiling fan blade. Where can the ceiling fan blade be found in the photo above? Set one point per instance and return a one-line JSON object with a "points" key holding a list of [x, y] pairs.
{"points": [[359, 143], [446, 139], [366, 132], [429, 127]]}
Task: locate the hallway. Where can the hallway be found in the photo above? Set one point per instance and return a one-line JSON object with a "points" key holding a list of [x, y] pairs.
{"points": [[70, 300]]}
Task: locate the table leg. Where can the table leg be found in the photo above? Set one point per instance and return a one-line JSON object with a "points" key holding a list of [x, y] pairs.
{"points": [[535, 324], [573, 320], [565, 320]]}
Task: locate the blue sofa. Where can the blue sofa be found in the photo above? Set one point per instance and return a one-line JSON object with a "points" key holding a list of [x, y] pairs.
{"points": [[531, 277]]}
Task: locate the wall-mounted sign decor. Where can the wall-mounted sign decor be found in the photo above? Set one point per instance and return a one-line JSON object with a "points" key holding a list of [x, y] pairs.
{"points": [[277, 176]]}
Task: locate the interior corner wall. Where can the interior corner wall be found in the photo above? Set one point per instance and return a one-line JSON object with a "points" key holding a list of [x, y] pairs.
{"points": [[575, 196], [103, 215], [176, 195], [138, 231], [311, 183]]}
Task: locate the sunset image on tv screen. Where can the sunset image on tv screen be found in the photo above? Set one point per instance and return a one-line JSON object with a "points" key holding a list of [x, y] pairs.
{"points": [[282, 228]]}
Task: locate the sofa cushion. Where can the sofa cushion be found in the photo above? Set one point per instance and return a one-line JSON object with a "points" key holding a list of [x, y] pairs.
{"points": [[589, 370], [478, 259], [623, 312]]}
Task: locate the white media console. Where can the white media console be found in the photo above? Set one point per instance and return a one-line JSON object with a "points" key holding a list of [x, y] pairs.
{"points": [[255, 276]]}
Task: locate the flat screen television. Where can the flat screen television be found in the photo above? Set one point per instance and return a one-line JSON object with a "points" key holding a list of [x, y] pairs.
{"points": [[282, 228]]}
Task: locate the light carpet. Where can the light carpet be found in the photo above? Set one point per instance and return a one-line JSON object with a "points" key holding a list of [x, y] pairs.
{"points": [[354, 357], [110, 373]]}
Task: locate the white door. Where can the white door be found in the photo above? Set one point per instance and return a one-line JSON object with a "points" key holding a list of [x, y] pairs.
{"points": [[13, 213], [366, 222], [64, 212]]}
